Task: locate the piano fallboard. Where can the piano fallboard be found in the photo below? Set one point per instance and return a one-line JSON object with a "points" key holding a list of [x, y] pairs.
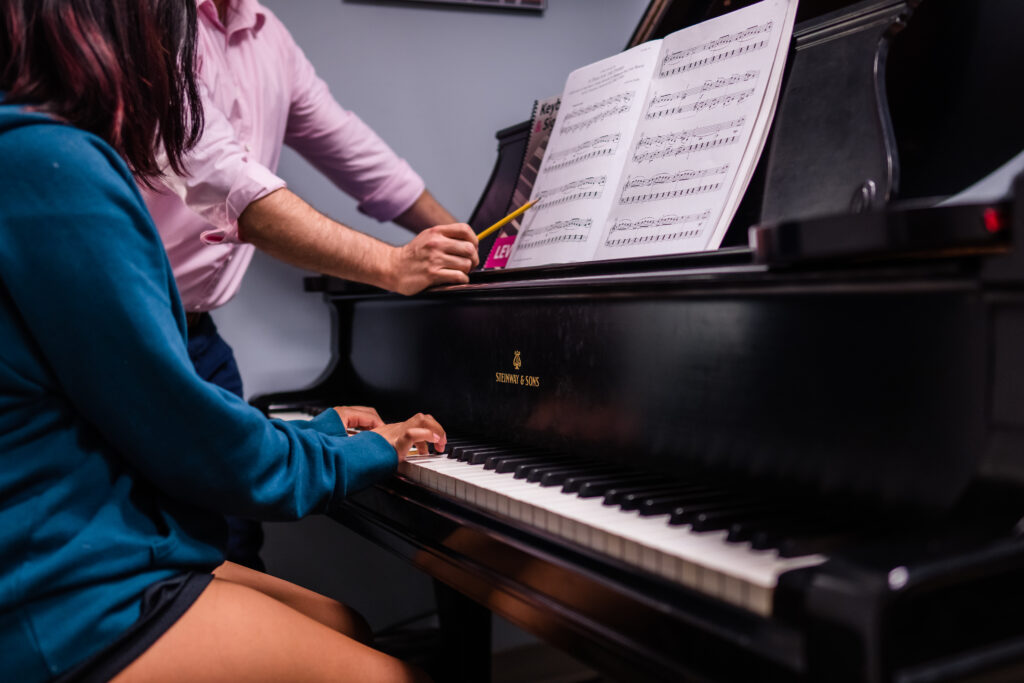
{"points": [[875, 384]]}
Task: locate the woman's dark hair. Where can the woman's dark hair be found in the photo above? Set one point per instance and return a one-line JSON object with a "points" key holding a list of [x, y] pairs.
{"points": [[122, 69]]}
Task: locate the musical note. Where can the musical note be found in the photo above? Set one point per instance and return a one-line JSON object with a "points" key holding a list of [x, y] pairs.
{"points": [[608, 102], [590, 187], [707, 86], [726, 100], [713, 46], [597, 118], [654, 147], [665, 228], [559, 231], [605, 145], [658, 184]]}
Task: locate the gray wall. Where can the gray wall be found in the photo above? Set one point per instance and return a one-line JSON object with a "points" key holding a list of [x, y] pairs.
{"points": [[436, 82]]}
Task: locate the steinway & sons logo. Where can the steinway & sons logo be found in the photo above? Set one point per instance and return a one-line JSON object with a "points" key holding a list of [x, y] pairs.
{"points": [[515, 377]]}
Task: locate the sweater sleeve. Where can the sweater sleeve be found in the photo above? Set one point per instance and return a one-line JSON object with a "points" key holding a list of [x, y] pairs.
{"points": [[84, 266]]}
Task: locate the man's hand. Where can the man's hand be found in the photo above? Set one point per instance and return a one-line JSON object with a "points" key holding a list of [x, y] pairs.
{"points": [[440, 255], [287, 228], [419, 430], [359, 417]]}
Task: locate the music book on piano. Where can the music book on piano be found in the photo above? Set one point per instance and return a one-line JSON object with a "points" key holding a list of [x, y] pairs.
{"points": [[541, 123], [653, 148]]}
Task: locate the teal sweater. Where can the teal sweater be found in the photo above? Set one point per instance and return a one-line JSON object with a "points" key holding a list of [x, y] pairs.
{"points": [[117, 463]]}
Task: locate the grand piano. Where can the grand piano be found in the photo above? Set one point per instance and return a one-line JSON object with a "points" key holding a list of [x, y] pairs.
{"points": [[798, 457]]}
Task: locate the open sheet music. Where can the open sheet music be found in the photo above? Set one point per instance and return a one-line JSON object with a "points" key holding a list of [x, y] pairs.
{"points": [[653, 148]]}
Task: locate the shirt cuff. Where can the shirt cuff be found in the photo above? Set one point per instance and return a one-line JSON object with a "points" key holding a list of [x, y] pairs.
{"points": [[254, 182], [394, 197]]}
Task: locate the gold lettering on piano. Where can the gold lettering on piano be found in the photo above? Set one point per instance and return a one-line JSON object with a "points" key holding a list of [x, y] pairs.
{"points": [[521, 380], [515, 377]]}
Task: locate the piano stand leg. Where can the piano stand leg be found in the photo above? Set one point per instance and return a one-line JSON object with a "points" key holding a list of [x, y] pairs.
{"points": [[465, 655]]}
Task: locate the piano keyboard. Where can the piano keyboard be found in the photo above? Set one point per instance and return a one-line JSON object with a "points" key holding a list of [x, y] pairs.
{"points": [[644, 521]]}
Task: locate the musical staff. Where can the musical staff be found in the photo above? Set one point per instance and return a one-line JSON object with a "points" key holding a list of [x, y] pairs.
{"points": [[651, 148], [680, 60], [608, 102], [668, 99], [665, 228], [657, 187], [605, 145], [597, 112], [559, 231], [590, 187], [726, 100]]}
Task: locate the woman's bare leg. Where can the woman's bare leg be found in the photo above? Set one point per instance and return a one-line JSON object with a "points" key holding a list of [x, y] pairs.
{"points": [[236, 633], [329, 612]]}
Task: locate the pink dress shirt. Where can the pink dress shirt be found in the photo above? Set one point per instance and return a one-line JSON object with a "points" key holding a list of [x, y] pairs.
{"points": [[259, 91]]}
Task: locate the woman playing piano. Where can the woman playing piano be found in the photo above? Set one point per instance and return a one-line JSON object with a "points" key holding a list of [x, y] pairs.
{"points": [[117, 463]]}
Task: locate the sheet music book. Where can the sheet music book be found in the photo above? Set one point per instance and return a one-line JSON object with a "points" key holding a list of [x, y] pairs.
{"points": [[541, 123], [653, 148]]}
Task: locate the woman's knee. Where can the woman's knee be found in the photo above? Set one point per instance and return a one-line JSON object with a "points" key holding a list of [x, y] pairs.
{"points": [[327, 611]]}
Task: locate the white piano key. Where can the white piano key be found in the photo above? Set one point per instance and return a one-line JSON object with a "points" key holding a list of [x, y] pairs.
{"points": [[703, 561]]}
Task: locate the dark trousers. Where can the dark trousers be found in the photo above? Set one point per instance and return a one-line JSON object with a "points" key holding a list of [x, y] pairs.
{"points": [[215, 362]]}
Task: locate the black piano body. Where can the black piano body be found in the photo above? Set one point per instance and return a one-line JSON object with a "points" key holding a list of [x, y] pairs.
{"points": [[859, 348]]}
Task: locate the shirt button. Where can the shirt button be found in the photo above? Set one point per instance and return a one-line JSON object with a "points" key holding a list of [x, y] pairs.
{"points": [[248, 148]]}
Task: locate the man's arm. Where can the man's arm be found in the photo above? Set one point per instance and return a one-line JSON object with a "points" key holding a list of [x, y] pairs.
{"points": [[426, 212], [289, 229]]}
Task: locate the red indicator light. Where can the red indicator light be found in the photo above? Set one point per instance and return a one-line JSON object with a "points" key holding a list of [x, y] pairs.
{"points": [[993, 219]]}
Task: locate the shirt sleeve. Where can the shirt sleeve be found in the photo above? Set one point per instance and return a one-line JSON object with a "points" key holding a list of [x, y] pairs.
{"points": [[346, 150], [220, 178], [83, 264]]}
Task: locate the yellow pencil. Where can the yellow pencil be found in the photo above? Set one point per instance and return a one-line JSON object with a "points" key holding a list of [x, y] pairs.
{"points": [[515, 214]]}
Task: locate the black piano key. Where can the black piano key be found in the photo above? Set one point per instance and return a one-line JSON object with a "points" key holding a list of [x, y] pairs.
{"points": [[479, 457], [663, 504], [573, 483], [535, 473], [633, 501], [598, 487], [744, 530], [524, 469], [619, 494], [452, 442], [466, 454], [685, 514], [474, 455], [558, 477], [492, 460], [502, 465], [712, 520], [455, 452], [555, 474]]}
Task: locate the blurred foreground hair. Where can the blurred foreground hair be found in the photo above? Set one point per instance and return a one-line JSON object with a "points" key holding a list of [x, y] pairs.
{"points": [[122, 69]]}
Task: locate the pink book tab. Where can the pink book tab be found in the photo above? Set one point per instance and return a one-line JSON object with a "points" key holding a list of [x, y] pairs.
{"points": [[500, 252]]}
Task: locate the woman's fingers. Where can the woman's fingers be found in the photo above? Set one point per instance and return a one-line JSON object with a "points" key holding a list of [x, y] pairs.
{"points": [[359, 417], [419, 429]]}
